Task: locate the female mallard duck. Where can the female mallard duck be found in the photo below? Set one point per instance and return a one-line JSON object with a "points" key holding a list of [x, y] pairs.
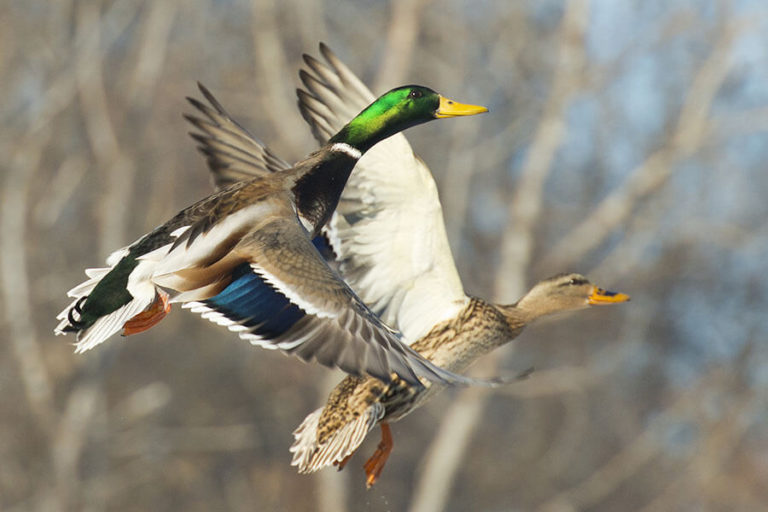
{"points": [[243, 256], [391, 247], [332, 433]]}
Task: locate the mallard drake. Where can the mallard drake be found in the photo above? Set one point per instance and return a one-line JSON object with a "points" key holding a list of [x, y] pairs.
{"points": [[390, 243], [243, 258]]}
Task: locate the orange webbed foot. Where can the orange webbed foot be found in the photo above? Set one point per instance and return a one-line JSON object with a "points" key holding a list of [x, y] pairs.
{"points": [[149, 317], [374, 466]]}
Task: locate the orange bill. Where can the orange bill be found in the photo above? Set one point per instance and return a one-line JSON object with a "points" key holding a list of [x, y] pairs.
{"points": [[600, 297]]}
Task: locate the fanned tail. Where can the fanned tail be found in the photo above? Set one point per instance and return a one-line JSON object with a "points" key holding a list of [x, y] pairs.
{"points": [[80, 293], [309, 455], [92, 333], [108, 325]]}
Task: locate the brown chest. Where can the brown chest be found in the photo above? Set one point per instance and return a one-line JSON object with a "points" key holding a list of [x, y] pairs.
{"points": [[456, 343]]}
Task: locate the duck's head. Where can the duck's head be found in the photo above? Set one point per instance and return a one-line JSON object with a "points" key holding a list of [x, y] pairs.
{"points": [[566, 292], [397, 110]]}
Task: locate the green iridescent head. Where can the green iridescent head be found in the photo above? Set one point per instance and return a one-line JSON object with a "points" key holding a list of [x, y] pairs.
{"points": [[397, 110]]}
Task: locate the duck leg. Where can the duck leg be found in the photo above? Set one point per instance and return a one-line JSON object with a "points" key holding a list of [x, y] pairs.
{"points": [[375, 464], [150, 317]]}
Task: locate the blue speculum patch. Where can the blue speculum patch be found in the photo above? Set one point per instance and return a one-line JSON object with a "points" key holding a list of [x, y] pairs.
{"points": [[249, 300]]}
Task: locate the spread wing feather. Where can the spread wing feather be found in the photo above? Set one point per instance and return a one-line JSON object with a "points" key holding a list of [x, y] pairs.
{"points": [[388, 230], [233, 154], [287, 297]]}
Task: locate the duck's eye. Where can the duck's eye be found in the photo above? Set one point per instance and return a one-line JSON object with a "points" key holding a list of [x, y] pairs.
{"points": [[572, 281], [415, 94]]}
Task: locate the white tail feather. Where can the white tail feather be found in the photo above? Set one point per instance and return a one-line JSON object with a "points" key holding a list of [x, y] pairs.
{"points": [[84, 288], [305, 441], [78, 292], [114, 258], [309, 456], [108, 325]]}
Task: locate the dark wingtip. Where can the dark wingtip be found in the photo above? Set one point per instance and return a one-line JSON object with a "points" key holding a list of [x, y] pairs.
{"points": [[304, 77], [196, 103], [330, 57], [301, 93], [315, 65], [303, 96], [212, 100], [194, 121]]}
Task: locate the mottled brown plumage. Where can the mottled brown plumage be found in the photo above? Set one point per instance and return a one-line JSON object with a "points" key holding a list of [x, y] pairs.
{"points": [[390, 243], [331, 434], [479, 328]]}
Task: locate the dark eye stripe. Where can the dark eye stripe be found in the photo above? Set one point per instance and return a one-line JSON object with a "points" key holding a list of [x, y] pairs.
{"points": [[575, 281]]}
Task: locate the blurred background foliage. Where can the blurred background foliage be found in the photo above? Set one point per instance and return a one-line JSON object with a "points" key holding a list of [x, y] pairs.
{"points": [[626, 141]]}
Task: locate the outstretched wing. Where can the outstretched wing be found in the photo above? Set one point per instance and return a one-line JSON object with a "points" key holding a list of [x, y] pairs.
{"points": [[285, 296], [388, 230], [232, 153]]}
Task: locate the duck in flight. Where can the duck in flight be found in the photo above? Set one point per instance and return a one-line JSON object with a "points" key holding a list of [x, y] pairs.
{"points": [[243, 257], [389, 241], [332, 433]]}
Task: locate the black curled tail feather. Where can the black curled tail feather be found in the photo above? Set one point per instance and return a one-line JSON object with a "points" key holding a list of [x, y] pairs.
{"points": [[76, 324]]}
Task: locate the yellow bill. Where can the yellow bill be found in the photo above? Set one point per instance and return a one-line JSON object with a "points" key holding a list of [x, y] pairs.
{"points": [[450, 108]]}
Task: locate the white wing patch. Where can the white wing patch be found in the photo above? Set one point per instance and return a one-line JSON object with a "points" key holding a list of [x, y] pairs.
{"points": [[388, 229], [108, 325], [389, 234]]}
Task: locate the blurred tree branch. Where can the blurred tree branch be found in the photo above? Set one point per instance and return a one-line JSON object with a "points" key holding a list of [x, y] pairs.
{"points": [[402, 33], [654, 172], [110, 161], [185, 417], [150, 56], [272, 73], [648, 444], [14, 275]]}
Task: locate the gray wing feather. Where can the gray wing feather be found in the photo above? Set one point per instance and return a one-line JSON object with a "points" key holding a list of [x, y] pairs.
{"points": [[339, 329], [233, 154]]}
